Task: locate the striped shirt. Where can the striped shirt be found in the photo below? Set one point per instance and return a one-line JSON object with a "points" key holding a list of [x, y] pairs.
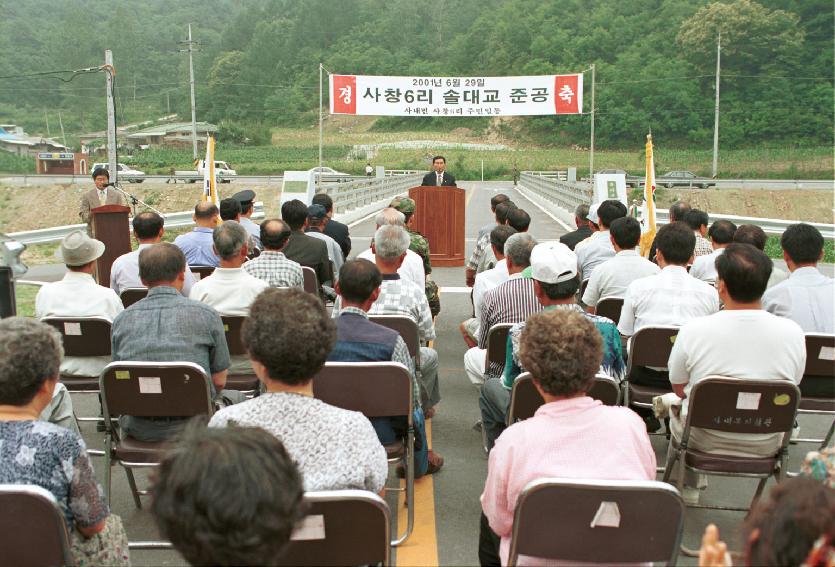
{"points": [[276, 269], [481, 246], [511, 302], [703, 246]]}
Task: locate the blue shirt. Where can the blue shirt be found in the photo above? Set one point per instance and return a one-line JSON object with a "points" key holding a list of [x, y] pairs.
{"points": [[197, 246]]}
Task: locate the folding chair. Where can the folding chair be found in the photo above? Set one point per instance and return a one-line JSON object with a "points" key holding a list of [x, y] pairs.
{"points": [[201, 272], [741, 406], [131, 295], [311, 282], [583, 285], [33, 531], [148, 389], [408, 330], [496, 345], [342, 527], [376, 389], [525, 399], [246, 383], [650, 346], [610, 307], [597, 521], [820, 366]]}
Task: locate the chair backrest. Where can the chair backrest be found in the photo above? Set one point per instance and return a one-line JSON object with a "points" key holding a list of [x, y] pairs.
{"points": [[375, 389], [739, 405], [497, 344], [232, 327], [583, 285], [610, 307], [404, 325], [820, 355], [201, 272], [311, 282], [33, 531], [651, 346], [525, 399], [155, 389], [131, 295], [598, 521], [342, 527], [83, 336]]}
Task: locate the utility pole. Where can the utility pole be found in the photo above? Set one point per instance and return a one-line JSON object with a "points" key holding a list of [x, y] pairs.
{"points": [[716, 109], [190, 43], [61, 122], [46, 117], [134, 88], [168, 102], [111, 118], [591, 147], [319, 176]]}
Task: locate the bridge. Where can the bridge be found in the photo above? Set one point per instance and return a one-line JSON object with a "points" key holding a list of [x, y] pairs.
{"points": [[447, 504]]}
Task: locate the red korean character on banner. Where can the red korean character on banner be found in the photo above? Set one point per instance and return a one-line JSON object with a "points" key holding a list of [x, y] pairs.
{"points": [[568, 94], [343, 94]]}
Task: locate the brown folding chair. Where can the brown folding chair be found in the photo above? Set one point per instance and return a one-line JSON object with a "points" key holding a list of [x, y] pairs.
{"points": [[820, 366], [770, 406], [33, 531], [311, 282], [148, 389], [375, 389], [246, 383], [598, 521], [132, 295], [408, 330], [201, 272], [342, 527], [496, 345], [525, 398], [610, 307], [650, 346]]}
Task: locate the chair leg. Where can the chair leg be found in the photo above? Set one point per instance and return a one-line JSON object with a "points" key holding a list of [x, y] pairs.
{"points": [[672, 457], [107, 466], [758, 493], [133, 490], [410, 491], [828, 437]]}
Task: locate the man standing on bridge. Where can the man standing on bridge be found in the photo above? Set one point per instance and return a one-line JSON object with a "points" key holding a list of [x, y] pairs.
{"points": [[439, 177]]}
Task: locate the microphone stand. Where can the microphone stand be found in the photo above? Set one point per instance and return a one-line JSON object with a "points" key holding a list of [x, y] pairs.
{"points": [[134, 200]]}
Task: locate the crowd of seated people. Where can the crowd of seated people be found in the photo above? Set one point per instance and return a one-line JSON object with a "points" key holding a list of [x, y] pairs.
{"points": [[712, 281]]}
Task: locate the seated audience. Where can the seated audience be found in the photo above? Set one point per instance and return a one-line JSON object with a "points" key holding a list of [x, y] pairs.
{"points": [[420, 245], [167, 327], [483, 243], [807, 297], [721, 234], [593, 226], [571, 436], [288, 336], [677, 212], [581, 220], [197, 244], [756, 237], [230, 210], [494, 201], [731, 343], [511, 302], [334, 228], [272, 265], [33, 452], [413, 267], [304, 249], [698, 220], [244, 512], [245, 198], [124, 273], [317, 220], [554, 273], [402, 297], [361, 340], [599, 248], [794, 526], [611, 278]]}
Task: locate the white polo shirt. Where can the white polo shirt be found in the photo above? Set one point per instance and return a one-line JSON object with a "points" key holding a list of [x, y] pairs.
{"points": [[487, 280], [807, 298], [704, 267], [672, 297], [598, 249], [411, 269], [230, 291], [124, 273], [611, 278]]}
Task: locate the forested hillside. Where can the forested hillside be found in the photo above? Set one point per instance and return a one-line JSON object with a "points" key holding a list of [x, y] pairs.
{"points": [[258, 64]]}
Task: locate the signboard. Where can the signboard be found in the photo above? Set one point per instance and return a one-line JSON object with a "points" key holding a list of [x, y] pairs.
{"points": [[298, 185], [610, 186], [54, 155], [456, 96]]}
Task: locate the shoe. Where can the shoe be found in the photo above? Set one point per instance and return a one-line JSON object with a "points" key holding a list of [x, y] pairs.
{"points": [[795, 432], [430, 413], [652, 423], [435, 463], [690, 495]]}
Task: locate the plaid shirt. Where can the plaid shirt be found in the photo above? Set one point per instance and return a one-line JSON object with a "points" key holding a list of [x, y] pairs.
{"points": [[401, 297], [703, 246], [275, 269], [481, 247]]}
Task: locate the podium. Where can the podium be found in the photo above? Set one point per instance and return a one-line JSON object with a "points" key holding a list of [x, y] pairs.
{"points": [[439, 216], [110, 225]]}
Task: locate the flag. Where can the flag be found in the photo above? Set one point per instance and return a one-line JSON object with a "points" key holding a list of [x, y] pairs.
{"points": [[209, 180], [648, 208]]}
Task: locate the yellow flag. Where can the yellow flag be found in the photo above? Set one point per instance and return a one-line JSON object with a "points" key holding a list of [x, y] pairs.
{"points": [[209, 179], [648, 208]]}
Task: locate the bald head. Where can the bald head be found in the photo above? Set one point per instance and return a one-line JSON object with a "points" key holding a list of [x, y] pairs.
{"points": [[205, 214], [391, 216], [162, 264]]}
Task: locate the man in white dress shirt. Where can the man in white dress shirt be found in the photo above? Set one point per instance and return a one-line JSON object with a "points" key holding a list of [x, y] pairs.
{"points": [[412, 268], [721, 234], [611, 278], [756, 237], [599, 247], [148, 229]]}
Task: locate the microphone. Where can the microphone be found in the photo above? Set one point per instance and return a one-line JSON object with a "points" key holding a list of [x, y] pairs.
{"points": [[111, 184]]}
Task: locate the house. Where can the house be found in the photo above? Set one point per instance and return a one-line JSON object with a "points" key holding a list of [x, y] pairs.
{"points": [[173, 134], [14, 140]]}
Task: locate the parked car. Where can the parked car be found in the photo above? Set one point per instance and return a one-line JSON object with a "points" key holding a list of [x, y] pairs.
{"points": [[684, 179], [631, 180], [222, 170], [128, 174], [327, 171]]}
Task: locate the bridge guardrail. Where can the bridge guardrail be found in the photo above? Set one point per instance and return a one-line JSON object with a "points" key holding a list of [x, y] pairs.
{"points": [[357, 199]]}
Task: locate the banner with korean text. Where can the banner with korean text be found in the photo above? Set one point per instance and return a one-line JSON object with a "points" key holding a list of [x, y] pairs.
{"points": [[456, 96]]}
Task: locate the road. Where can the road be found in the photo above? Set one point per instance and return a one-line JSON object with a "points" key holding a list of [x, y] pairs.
{"points": [[448, 503]]}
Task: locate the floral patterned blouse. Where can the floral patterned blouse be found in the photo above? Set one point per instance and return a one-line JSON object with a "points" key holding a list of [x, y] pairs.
{"points": [[54, 458]]}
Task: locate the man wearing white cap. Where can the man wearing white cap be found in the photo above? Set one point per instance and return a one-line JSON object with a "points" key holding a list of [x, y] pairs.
{"points": [[592, 220], [554, 273], [599, 248], [78, 295]]}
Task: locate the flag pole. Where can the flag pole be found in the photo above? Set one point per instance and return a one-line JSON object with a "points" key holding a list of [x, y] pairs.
{"points": [[319, 177], [591, 147], [716, 110]]}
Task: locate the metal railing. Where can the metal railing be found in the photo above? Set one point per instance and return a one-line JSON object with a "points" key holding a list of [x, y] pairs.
{"points": [[552, 187], [769, 226], [356, 199]]}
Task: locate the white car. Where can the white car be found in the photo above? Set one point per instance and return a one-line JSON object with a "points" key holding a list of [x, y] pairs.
{"points": [[129, 174], [326, 171]]}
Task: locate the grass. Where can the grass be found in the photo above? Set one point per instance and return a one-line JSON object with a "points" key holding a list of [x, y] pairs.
{"points": [[772, 248], [25, 296]]}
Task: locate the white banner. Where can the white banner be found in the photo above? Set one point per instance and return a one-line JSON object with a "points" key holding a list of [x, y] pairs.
{"points": [[456, 96]]}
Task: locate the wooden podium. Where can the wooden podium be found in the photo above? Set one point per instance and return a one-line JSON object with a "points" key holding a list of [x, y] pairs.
{"points": [[110, 225], [439, 216]]}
